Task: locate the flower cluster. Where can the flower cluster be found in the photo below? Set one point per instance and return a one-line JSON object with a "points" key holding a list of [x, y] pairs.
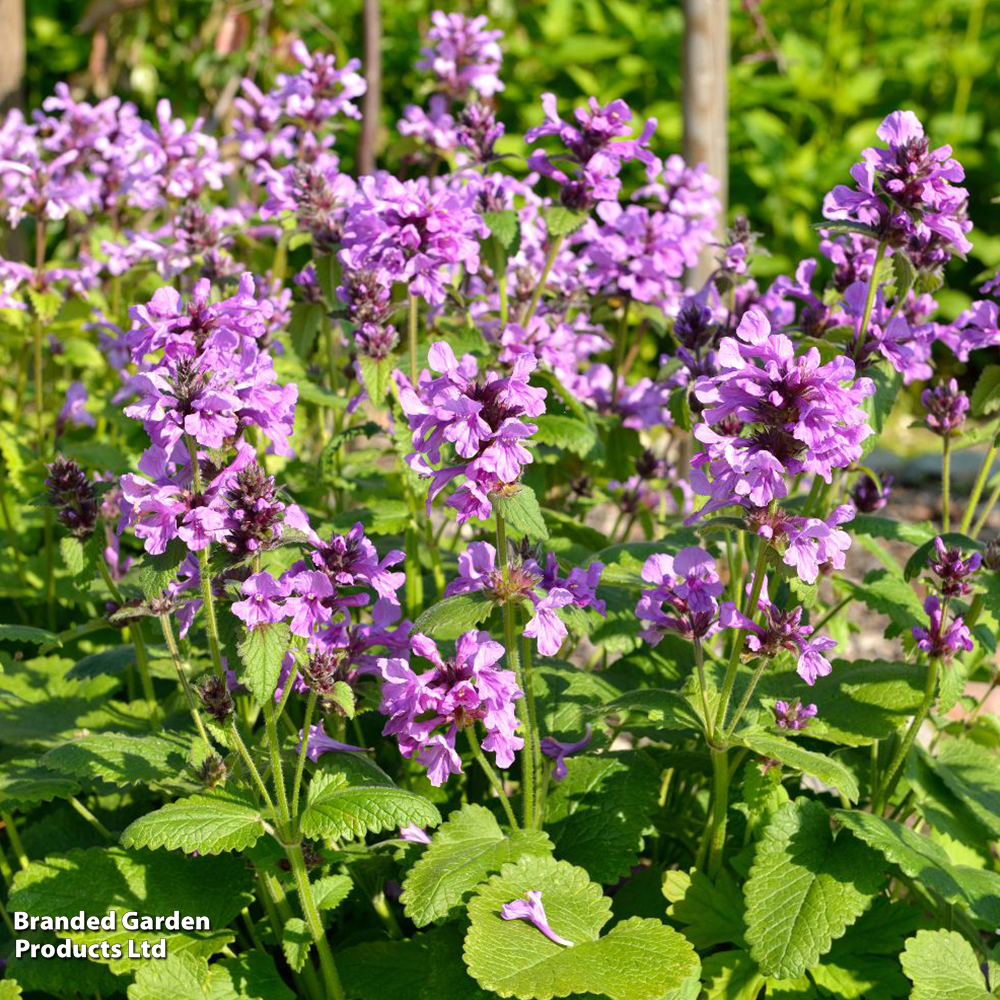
{"points": [[684, 598], [482, 418], [793, 715], [427, 709], [952, 570], [946, 407], [800, 415], [938, 640]]}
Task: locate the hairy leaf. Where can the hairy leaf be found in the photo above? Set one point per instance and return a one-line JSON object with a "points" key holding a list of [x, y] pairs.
{"points": [[942, 966], [122, 759]]}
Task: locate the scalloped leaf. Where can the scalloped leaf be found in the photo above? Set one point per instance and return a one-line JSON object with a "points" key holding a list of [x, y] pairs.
{"points": [[350, 796], [521, 512], [249, 976], [597, 814], [25, 783], [467, 848], [261, 652], [451, 616], [921, 858], [224, 819], [122, 759], [99, 880], [942, 966], [805, 889], [638, 959], [972, 772], [827, 769]]}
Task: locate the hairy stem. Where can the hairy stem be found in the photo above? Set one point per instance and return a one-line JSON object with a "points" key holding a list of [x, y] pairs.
{"points": [[492, 776], [869, 302], [536, 295], [303, 753], [189, 696], [946, 483], [413, 339]]}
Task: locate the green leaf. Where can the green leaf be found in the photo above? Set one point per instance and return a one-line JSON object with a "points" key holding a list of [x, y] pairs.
{"points": [[639, 959], [985, 398], [805, 889], [942, 966], [902, 273], [327, 276], [846, 226], [566, 433], [249, 976], [376, 373], [156, 572], [596, 815], [562, 221], [350, 796], [295, 943], [261, 652], [667, 710], [919, 560], [303, 327], [896, 531], [972, 772], [115, 660], [426, 967], [732, 975], [122, 759], [451, 616], [921, 858], [878, 406], [342, 696], [9, 990], [467, 848], [224, 819], [827, 769], [25, 783], [101, 880], [887, 594], [330, 891], [30, 634], [680, 408], [504, 228], [711, 913], [521, 512]]}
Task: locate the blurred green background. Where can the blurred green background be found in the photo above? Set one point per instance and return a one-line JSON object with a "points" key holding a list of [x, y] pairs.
{"points": [[810, 80]]}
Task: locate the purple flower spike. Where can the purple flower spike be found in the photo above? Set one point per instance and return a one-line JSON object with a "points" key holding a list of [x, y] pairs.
{"points": [[867, 497], [952, 569], [946, 408], [940, 642], [559, 751], [531, 909], [793, 715]]}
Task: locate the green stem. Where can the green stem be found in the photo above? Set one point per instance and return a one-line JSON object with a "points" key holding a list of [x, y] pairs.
{"points": [[279, 912], [529, 697], [15, 839], [92, 819], [258, 781], [413, 339], [620, 350], [287, 690], [977, 486], [734, 658], [869, 301], [303, 753], [991, 502], [720, 807], [699, 659], [189, 696], [328, 969], [207, 597], [277, 772], [832, 613], [492, 776], [741, 708], [945, 482], [434, 550], [514, 664], [5, 917], [504, 302], [892, 773], [536, 295], [139, 642]]}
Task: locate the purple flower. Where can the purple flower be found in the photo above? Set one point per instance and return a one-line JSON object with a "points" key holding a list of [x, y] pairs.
{"points": [[946, 408], [906, 193], [559, 751], [867, 497], [545, 626], [793, 715], [952, 570], [798, 414], [814, 543], [415, 231], [531, 909], [463, 55], [782, 630], [260, 606], [938, 643], [307, 607], [688, 585], [480, 418], [415, 834], [72, 493], [74, 409], [320, 743], [426, 710], [595, 147]]}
